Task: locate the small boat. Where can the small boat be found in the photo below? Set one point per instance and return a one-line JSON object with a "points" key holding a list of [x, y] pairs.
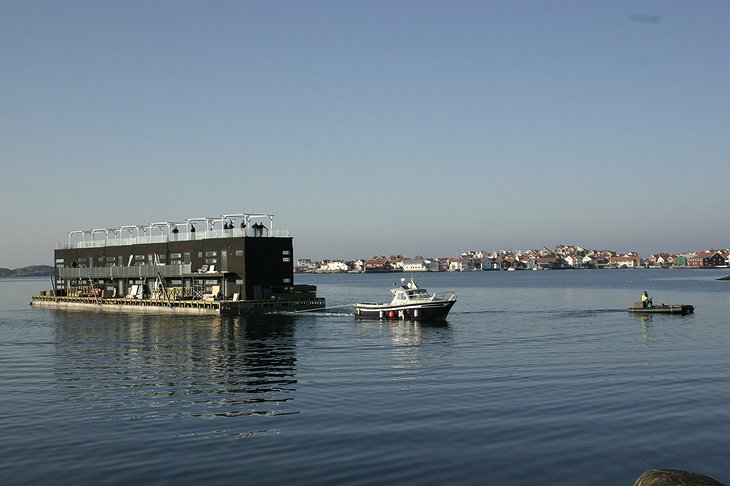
{"points": [[683, 309], [409, 302]]}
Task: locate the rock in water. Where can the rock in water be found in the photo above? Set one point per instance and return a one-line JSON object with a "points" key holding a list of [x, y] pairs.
{"points": [[673, 477]]}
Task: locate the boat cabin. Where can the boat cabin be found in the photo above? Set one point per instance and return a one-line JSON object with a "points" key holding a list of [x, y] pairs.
{"points": [[409, 292]]}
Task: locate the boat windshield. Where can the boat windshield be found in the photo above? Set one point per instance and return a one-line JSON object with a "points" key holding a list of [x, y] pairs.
{"points": [[418, 294]]}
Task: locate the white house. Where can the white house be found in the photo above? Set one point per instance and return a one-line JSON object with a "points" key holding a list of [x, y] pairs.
{"points": [[590, 262], [625, 261], [573, 261], [306, 264], [358, 265], [334, 266], [414, 265], [420, 265], [458, 265]]}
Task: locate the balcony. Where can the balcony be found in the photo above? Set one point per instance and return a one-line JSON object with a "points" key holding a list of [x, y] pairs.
{"points": [[139, 271]]}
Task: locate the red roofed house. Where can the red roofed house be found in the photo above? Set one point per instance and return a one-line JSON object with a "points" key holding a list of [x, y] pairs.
{"points": [[625, 261], [706, 259]]}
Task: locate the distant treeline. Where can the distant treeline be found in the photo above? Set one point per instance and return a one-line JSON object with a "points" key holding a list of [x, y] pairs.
{"points": [[31, 271]]}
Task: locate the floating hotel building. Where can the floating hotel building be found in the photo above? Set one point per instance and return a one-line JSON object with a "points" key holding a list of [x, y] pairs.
{"points": [[230, 264]]}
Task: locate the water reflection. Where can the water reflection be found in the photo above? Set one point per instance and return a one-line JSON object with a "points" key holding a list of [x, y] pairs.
{"points": [[651, 324], [411, 333], [131, 367], [645, 321], [415, 346]]}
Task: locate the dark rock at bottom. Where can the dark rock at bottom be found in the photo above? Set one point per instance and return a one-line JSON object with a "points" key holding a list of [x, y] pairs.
{"points": [[673, 477]]}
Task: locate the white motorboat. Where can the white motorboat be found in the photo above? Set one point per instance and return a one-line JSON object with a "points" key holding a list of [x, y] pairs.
{"points": [[409, 302]]}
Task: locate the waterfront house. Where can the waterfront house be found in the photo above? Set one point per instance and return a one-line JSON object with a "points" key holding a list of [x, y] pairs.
{"points": [[488, 264], [357, 266], [420, 265], [573, 261], [626, 261], [333, 266], [378, 265], [548, 263], [660, 260], [706, 259], [305, 265], [458, 264]]}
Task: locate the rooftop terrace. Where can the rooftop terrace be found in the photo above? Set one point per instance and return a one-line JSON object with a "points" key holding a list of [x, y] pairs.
{"points": [[190, 229]]}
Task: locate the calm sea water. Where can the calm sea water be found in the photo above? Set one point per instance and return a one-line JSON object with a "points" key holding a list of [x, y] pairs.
{"points": [[536, 378]]}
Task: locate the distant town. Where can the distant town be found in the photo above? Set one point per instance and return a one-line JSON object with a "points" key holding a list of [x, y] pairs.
{"points": [[560, 257]]}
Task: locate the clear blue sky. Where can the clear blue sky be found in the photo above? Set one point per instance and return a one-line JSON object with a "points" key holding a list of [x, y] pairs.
{"points": [[412, 127]]}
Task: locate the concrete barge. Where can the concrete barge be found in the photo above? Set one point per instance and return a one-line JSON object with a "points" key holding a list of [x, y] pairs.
{"points": [[232, 264], [227, 308]]}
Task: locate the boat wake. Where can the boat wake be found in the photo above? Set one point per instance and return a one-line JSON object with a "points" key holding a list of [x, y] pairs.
{"points": [[312, 313], [552, 312]]}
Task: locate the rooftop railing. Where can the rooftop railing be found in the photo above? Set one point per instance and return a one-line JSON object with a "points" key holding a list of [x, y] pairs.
{"points": [[102, 239]]}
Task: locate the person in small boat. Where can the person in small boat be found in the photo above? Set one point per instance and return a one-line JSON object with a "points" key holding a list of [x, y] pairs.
{"points": [[645, 300]]}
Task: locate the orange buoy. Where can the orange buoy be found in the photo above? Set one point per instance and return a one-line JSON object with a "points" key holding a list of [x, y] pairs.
{"points": [[391, 314]]}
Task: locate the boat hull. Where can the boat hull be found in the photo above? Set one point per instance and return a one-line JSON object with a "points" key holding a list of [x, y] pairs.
{"points": [[418, 312], [664, 309]]}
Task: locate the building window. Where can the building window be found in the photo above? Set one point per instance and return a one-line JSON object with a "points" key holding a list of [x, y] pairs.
{"points": [[286, 259], [239, 252], [287, 280]]}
